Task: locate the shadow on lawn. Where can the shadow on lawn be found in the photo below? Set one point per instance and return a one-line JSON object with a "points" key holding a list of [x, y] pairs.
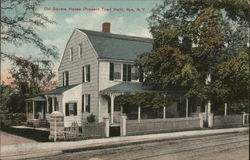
{"points": [[37, 135]]}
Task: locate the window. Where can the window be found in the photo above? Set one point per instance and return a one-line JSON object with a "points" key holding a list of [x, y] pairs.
{"points": [[71, 109], [134, 73], [86, 103], [126, 72], [115, 71], [50, 105], [65, 78], [71, 54], [83, 109], [80, 50], [56, 108], [86, 73]]}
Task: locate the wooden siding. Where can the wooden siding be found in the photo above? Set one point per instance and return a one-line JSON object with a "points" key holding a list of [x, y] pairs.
{"points": [[75, 70], [75, 66], [72, 95]]}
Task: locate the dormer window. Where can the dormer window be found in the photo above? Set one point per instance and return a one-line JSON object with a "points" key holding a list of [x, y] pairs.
{"points": [[71, 54], [80, 50]]}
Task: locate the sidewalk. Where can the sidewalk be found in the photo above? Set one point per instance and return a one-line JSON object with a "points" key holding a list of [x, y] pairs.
{"points": [[50, 148], [11, 139]]}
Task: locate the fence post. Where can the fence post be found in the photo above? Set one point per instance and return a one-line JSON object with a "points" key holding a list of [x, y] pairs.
{"points": [[210, 120], [123, 119], [56, 126], [243, 123], [201, 120], [106, 120]]}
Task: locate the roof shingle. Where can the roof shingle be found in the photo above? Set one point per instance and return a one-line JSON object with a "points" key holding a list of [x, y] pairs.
{"points": [[119, 47]]}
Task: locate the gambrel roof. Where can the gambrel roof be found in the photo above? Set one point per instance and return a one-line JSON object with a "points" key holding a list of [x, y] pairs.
{"points": [[118, 47]]}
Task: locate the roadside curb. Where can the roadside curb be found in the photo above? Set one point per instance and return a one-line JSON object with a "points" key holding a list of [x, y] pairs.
{"points": [[143, 141], [54, 148]]}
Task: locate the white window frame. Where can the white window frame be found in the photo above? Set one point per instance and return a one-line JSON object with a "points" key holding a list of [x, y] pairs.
{"points": [[85, 100], [71, 54], [80, 50], [120, 70], [85, 73], [71, 105], [134, 80]]}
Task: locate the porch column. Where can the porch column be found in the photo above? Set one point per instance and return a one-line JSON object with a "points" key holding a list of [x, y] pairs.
{"points": [[139, 113], [121, 109], [225, 112], [209, 107], [164, 108], [186, 107], [164, 112], [112, 108], [53, 104], [33, 105], [26, 109], [47, 103], [43, 113]]}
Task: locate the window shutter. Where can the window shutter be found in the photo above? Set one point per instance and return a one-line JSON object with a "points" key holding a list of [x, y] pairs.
{"points": [[124, 76], [111, 71], [67, 78], [129, 72], [89, 103], [63, 79], [82, 103], [88, 76], [67, 109], [83, 75], [75, 109]]}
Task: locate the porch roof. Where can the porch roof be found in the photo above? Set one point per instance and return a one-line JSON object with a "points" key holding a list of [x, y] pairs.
{"points": [[38, 98], [58, 90], [136, 87]]}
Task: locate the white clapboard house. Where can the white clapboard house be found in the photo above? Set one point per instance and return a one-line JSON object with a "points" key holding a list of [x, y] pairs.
{"points": [[95, 68]]}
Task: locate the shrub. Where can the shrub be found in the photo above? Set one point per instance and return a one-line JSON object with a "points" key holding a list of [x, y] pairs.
{"points": [[91, 118], [14, 119]]}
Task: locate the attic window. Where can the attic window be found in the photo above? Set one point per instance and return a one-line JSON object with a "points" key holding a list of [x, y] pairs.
{"points": [[80, 50], [71, 54]]}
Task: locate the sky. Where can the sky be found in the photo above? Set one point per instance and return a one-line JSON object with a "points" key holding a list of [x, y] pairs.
{"points": [[126, 17]]}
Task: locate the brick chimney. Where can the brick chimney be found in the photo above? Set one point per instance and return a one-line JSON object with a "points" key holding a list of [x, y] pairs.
{"points": [[106, 27]]}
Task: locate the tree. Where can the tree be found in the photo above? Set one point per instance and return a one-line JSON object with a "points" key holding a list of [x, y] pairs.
{"points": [[20, 21], [232, 78], [30, 78], [192, 40]]}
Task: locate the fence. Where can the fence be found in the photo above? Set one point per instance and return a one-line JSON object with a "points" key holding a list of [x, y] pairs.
{"points": [[90, 130], [245, 118], [134, 127], [228, 121]]}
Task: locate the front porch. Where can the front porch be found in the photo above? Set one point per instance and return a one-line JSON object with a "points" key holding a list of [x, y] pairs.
{"points": [[36, 112], [181, 107]]}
